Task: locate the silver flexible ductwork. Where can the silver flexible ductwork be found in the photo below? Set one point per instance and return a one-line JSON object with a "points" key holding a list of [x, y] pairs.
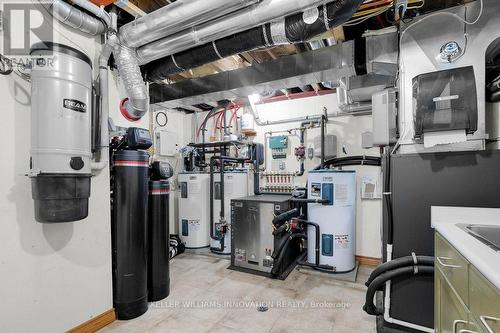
{"points": [[175, 17], [260, 13], [75, 18], [130, 73], [128, 68]]}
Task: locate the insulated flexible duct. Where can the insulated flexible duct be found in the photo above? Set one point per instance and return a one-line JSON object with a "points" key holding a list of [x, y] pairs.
{"points": [[249, 29], [291, 29], [175, 17], [138, 100], [75, 18]]}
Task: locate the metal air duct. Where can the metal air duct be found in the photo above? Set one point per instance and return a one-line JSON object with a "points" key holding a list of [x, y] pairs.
{"points": [[326, 64], [75, 18], [258, 14], [175, 17], [291, 29]]}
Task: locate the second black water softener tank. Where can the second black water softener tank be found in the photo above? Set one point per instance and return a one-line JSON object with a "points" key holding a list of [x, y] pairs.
{"points": [[158, 240], [129, 233]]}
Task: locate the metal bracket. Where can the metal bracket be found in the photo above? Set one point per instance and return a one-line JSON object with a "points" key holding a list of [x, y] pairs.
{"points": [[400, 7]]}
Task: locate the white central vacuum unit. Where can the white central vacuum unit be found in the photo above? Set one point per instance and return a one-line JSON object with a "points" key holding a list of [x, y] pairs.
{"points": [[61, 86], [194, 209], [336, 218], [235, 187]]}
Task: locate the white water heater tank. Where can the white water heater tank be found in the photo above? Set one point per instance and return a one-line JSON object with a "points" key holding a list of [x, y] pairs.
{"points": [[61, 90], [194, 209], [336, 219]]}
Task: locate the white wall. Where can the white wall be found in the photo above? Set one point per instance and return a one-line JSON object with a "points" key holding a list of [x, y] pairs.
{"points": [[53, 276], [180, 124], [348, 130]]}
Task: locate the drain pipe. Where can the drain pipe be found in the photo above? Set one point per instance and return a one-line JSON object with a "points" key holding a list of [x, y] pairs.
{"points": [[101, 158]]}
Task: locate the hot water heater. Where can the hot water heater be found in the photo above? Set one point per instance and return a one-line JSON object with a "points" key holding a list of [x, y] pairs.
{"points": [[336, 218]]}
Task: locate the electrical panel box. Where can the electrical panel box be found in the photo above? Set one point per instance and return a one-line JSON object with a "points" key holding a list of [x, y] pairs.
{"points": [[384, 113], [168, 143], [330, 146], [278, 142], [279, 146]]}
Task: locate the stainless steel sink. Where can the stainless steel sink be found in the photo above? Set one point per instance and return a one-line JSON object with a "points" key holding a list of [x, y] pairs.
{"points": [[488, 234]]}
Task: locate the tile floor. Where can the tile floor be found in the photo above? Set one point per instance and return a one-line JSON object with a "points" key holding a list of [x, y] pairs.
{"points": [[207, 297]]}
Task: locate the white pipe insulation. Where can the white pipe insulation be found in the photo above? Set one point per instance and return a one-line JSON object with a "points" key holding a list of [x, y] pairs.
{"points": [[95, 10], [75, 18], [250, 17], [175, 17]]}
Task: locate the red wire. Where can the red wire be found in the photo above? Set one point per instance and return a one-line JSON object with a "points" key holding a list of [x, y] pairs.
{"points": [[199, 129]]}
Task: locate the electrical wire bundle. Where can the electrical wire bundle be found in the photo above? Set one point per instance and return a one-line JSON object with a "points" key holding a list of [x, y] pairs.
{"points": [[8, 66], [373, 8], [218, 115]]}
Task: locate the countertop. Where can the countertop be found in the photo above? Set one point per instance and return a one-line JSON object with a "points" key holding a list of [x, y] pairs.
{"points": [[484, 258]]}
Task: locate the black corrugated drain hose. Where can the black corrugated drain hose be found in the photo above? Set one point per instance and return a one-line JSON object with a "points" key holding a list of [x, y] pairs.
{"points": [[400, 262], [379, 282]]}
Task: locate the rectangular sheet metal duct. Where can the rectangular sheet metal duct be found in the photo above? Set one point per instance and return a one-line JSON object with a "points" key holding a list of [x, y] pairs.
{"points": [[326, 64]]}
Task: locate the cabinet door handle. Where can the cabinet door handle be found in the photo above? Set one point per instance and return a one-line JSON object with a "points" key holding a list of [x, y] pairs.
{"points": [[456, 322], [467, 331], [441, 259], [485, 319]]}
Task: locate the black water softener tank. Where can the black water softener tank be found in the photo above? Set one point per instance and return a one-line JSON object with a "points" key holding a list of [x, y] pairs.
{"points": [[158, 240], [129, 232]]}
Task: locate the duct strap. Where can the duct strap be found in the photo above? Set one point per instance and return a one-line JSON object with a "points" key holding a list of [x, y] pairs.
{"points": [[278, 32]]}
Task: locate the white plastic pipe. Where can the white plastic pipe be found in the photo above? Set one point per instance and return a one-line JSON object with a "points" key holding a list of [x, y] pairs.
{"points": [[107, 50], [387, 304]]}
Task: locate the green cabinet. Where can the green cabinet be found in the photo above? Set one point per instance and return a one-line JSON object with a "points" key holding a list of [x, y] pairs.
{"points": [[465, 301], [451, 314]]}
